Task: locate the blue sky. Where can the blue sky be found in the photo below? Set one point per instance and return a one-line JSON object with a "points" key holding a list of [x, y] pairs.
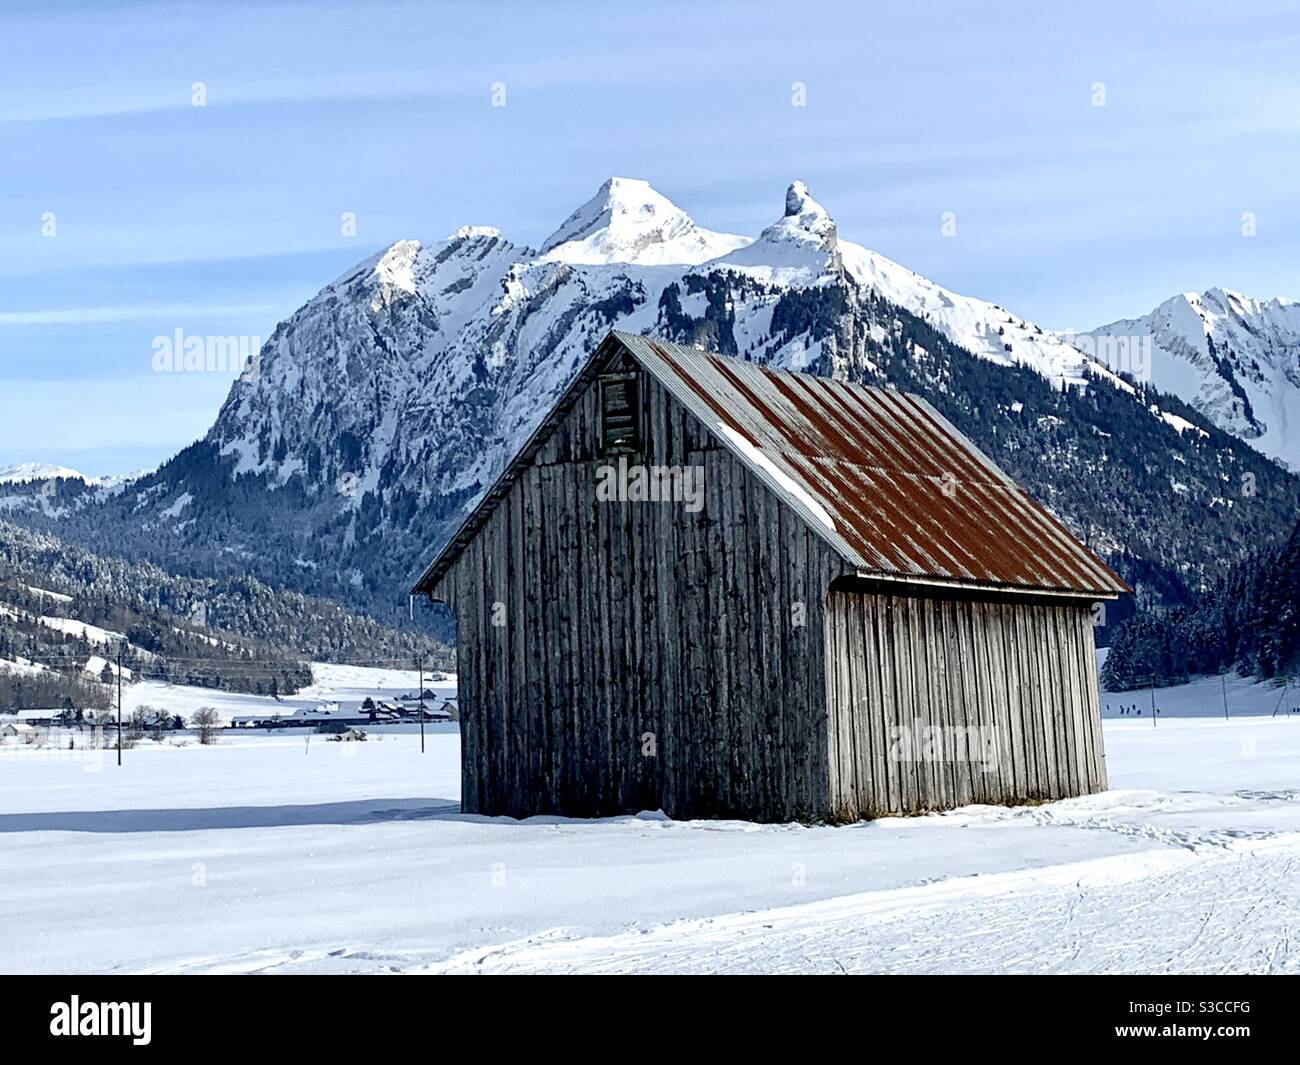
{"points": [[222, 219]]}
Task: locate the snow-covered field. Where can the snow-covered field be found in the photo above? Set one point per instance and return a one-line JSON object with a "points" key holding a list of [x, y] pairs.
{"points": [[347, 684], [294, 853], [1206, 697]]}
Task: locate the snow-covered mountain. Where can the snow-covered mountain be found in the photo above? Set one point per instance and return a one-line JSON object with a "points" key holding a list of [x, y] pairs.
{"points": [[50, 489], [429, 364], [1234, 358], [23, 472], [384, 406], [37, 471], [628, 221]]}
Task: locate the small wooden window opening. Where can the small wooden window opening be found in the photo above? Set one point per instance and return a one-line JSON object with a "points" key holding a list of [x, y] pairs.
{"points": [[620, 429]]}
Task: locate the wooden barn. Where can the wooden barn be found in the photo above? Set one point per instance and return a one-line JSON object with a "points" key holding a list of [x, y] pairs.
{"points": [[719, 590]]}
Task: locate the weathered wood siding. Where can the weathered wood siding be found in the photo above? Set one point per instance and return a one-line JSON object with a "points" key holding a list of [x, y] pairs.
{"points": [[621, 656], [586, 625], [939, 701]]}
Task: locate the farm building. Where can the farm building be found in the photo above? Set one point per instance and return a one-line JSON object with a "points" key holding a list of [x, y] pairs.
{"points": [[44, 718], [720, 590], [17, 730]]}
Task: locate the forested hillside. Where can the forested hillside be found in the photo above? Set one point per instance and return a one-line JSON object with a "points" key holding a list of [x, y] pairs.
{"points": [[1249, 621], [66, 615]]}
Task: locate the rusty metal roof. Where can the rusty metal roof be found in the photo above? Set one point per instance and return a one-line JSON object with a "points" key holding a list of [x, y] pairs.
{"points": [[881, 475]]}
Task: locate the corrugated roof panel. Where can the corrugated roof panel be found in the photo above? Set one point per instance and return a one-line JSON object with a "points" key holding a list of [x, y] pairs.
{"points": [[906, 494]]}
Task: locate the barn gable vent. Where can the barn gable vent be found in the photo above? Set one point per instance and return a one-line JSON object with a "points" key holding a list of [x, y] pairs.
{"points": [[619, 413]]}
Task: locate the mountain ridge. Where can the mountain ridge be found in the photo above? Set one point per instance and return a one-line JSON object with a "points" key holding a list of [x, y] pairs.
{"points": [[385, 405], [1231, 356]]}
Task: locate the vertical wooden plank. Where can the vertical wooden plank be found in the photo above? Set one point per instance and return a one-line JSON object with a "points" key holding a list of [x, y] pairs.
{"points": [[834, 704], [1065, 693], [799, 723], [941, 703], [1088, 661], [988, 646], [860, 706], [499, 590], [769, 748], [929, 795], [471, 771], [922, 672], [547, 620], [486, 798], [1051, 703], [785, 741], [876, 708], [903, 643], [1030, 704], [1080, 630], [825, 569], [688, 603], [715, 647], [567, 490], [1045, 699], [839, 659], [883, 610], [1073, 632], [520, 709], [1014, 694], [1065, 782], [673, 738], [961, 714], [736, 610], [977, 697], [700, 778]]}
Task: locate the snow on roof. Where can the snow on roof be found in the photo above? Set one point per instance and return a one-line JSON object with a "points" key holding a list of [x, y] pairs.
{"points": [[41, 715]]}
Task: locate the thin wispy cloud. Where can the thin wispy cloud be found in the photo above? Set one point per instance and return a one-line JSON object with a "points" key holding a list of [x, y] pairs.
{"points": [[103, 315], [233, 211]]}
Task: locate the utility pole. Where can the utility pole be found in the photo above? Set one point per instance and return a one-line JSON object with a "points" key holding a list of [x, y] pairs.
{"points": [[119, 704], [419, 664], [1224, 677], [1153, 700]]}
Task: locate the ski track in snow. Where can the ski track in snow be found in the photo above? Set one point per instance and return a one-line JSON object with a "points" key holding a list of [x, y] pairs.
{"points": [[1224, 907], [1202, 900], [1108, 915]]}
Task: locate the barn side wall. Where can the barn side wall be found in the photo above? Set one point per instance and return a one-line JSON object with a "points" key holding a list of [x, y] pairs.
{"points": [[585, 625], [1011, 687]]}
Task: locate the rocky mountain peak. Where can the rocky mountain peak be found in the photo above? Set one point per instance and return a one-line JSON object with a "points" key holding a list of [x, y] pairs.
{"points": [[628, 221]]}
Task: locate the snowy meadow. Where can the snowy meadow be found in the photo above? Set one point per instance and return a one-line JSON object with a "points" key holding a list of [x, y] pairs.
{"points": [[289, 852]]}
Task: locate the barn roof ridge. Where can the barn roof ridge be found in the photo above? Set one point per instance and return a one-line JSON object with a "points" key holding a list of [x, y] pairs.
{"points": [[875, 472]]}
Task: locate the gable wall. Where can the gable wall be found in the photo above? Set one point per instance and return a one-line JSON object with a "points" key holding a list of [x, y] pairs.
{"points": [[584, 625]]}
